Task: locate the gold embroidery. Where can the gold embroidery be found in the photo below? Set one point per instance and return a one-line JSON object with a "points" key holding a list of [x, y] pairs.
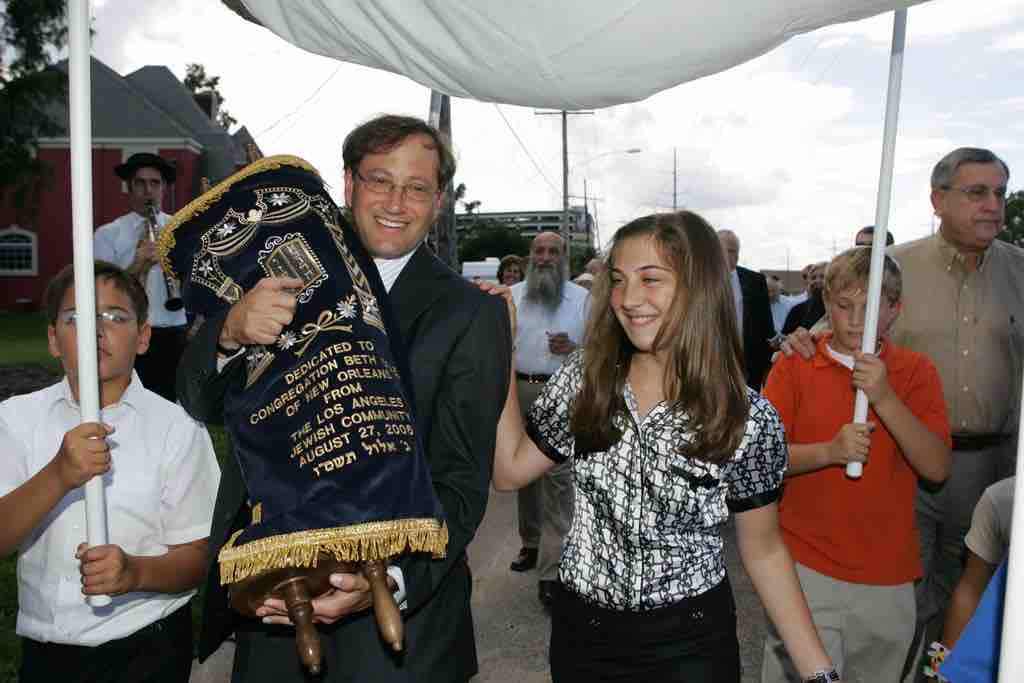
{"points": [[327, 320], [200, 204], [358, 542]]}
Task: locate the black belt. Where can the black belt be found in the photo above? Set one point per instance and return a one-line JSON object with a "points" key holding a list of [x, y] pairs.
{"points": [[977, 442], [532, 379]]}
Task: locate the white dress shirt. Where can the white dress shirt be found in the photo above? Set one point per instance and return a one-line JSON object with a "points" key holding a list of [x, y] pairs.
{"points": [[534, 322], [781, 308], [160, 491], [116, 242], [391, 268], [737, 297]]}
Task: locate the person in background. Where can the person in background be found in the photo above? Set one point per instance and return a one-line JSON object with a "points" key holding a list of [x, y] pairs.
{"points": [[810, 311], [753, 311], [866, 235], [160, 477], [595, 267], [988, 542], [781, 304], [511, 270], [665, 440], [126, 242], [859, 581], [552, 319], [584, 280]]}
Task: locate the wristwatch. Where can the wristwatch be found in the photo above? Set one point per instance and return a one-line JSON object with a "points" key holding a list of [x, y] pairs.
{"points": [[823, 676]]}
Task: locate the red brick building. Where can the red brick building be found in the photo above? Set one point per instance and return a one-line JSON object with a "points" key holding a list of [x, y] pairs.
{"points": [[149, 110]]}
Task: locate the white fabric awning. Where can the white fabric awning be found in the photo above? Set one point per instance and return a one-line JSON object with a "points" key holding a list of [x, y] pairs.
{"points": [[564, 54]]}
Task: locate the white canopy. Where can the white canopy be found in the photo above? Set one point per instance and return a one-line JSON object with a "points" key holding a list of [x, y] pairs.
{"points": [[563, 54]]}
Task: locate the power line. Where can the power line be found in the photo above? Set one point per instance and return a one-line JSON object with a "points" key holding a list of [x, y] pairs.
{"points": [[525, 150], [302, 104]]}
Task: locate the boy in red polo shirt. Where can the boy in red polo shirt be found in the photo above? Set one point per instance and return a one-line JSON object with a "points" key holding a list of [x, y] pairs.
{"points": [[854, 540]]}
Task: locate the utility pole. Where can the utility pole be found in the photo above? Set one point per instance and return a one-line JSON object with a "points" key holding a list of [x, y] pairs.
{"points": [[566, 235], [675, 179], [442, 234]]}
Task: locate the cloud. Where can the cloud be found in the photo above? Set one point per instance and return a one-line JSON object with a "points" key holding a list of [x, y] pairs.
{"points": [[1009, 43]]}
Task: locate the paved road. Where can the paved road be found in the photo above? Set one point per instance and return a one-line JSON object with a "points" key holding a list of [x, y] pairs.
{"points": [[512, 629]]}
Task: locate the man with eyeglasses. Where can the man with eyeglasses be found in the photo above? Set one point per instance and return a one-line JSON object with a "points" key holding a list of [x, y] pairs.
{"points": [[160, 475], [459, 347], [964, 308]]}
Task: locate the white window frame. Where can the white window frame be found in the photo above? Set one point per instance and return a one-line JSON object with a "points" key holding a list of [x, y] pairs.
{"points": [[33, 242]]}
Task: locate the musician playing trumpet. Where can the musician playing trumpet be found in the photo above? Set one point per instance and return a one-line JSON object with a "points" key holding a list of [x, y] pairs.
{"points": [[128, 241]]}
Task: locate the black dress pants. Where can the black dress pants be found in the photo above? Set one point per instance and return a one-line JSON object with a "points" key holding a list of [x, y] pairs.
{"points": [[158, 653], [692, 641]]}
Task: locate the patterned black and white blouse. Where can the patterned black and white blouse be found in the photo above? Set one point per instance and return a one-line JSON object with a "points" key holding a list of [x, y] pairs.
{"points": [[646, 527]]}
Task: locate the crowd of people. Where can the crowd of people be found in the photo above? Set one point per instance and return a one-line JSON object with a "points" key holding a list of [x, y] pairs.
{"points": [[636, 410]]}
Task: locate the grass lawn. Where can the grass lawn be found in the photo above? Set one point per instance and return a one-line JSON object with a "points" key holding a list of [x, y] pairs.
{"points": [[23, 342]]}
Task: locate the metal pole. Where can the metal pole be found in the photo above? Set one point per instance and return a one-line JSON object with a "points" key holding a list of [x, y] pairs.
{"points": [[1011, 655], [442, 233], [565, 194], [586, 214], [80, 120], [675, 167], [892, 110]]}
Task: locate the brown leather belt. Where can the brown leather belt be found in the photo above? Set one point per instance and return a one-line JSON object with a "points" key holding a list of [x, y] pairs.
{"points": [[977, 442], [532, 379]]}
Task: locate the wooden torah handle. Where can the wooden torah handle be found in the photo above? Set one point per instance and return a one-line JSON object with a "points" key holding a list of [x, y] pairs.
{"points": [[389, 619], [300, 609]]}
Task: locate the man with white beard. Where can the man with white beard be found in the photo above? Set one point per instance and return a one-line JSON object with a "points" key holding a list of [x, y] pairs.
{"points": [[551, 315]]}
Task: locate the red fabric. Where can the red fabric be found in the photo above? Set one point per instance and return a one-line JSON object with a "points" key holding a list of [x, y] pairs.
{"points": [[857, 530]]}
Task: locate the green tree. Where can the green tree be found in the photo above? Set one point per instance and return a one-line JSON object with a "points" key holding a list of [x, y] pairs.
{"points": [[1014, 232], [580, 258], [31, 34], [197, 81], [486, 238]]}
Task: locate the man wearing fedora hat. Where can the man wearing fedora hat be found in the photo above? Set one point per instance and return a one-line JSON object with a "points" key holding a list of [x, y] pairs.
{"points": [[126, 242]]}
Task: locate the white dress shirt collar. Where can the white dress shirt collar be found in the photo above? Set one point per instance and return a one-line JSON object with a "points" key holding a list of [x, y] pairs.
{"points": [[391, 268]]}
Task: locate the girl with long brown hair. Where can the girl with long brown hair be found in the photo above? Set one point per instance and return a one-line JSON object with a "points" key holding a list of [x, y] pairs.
{"points": [[665, 440]]}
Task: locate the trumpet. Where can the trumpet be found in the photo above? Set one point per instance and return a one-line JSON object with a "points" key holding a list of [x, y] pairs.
{"points": [[173, 302]]}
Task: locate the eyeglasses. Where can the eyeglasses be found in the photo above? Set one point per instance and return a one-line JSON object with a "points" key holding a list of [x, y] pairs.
{"points": [[115, 316], [414, 191], [978, 193]]}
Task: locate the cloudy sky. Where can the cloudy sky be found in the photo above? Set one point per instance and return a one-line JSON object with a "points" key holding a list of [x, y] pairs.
{"points": [[784, 149]]}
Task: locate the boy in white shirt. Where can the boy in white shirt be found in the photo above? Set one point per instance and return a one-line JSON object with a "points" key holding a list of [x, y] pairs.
{"points": [[160, 475]]}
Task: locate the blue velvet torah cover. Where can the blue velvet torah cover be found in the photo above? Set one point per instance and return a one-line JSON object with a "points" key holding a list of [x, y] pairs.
{"points": [[322, 423]]}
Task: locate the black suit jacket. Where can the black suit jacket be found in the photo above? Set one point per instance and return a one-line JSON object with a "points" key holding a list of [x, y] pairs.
{"points": [[758, 326], [459, 345]]}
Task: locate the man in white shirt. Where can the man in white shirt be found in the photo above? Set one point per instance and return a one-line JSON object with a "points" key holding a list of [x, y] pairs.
{"points": [[781, 303], [160, 477], [551, 320], [126, 242]]}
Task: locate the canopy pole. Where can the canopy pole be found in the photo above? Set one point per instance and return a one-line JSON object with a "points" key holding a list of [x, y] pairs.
{"points": [[892, 110], [1011, 655], [80, 115]]}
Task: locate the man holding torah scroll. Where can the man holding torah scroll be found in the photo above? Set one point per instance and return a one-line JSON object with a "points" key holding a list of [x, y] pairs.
{"points": [[322, 426], [459, 349]]}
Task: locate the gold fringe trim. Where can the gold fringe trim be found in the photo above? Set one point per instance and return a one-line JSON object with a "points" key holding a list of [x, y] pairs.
{"points": [[201, 203], [370, 541]]}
